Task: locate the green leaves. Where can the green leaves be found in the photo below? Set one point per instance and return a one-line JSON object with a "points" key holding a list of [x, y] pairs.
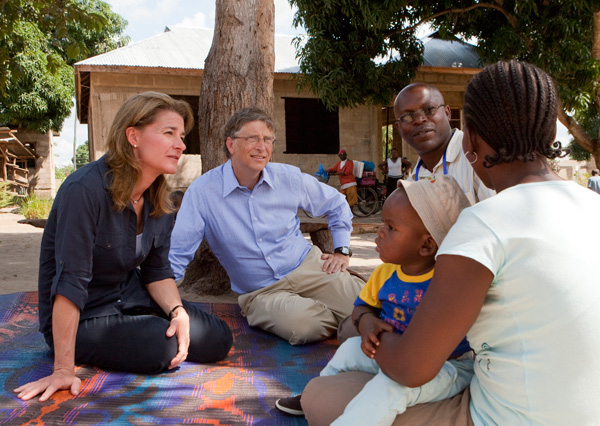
{"points": [[364, 51], [39, 41], [349, 57]]}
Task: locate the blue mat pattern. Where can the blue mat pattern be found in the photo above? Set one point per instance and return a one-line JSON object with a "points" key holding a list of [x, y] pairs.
{"points": [[241, 390]]}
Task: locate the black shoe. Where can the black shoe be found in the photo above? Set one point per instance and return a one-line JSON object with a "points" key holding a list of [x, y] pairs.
{"points": [[290, 405]]}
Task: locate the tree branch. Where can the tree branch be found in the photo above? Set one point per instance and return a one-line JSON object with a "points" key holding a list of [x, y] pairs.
{"points": [[509, 17], [580, 135]]}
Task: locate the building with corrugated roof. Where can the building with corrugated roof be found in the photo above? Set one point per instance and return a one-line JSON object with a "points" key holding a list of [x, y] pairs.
{"points": [[307, 133]]}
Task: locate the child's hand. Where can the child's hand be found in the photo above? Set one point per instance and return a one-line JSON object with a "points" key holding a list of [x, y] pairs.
{"points": [[370, 328]]}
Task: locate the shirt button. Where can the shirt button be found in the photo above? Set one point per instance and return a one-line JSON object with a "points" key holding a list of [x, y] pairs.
{"points": [[255, 218], [260, 240], [269, 258], [252, 196]]}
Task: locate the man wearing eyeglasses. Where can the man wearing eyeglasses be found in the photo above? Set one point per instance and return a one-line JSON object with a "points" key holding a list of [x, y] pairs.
{"points": [[423, 120], [344, 169], [246, 209]]}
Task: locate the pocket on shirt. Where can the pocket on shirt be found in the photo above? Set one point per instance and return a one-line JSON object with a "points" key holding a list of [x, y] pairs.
{"points": [[109, 240]]}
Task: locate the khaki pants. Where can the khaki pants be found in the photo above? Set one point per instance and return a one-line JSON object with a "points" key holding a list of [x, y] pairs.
{"points": [[351, 195], [324, 400], [305, 306]]}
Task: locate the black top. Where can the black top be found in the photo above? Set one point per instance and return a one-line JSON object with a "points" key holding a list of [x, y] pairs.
{"points": [[88, 249]]}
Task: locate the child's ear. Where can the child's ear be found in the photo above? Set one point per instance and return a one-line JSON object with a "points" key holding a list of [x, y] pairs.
{"points": [[429, 247]]}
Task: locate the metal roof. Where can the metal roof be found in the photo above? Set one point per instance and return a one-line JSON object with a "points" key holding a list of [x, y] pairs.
{"points": [[187, 48], [449, 53], [184, 48]]}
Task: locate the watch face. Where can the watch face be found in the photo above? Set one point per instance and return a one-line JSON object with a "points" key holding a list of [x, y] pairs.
{"points": [[344, 250]]}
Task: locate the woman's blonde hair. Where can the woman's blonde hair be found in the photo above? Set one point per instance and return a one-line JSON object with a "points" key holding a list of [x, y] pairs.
{"points": [[139, 111]]}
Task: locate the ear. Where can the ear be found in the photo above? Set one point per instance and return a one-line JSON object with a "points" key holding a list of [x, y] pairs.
{"points": [[397, 126], [448, 112], [132, 135], [229, 143], [428, 247], [471, 140]]}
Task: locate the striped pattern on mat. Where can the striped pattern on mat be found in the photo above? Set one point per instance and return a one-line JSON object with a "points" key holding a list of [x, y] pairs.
{"points": [[241, 390]]}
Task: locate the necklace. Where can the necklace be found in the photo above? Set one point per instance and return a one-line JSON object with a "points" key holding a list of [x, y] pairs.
{"points": [[138, 200]]}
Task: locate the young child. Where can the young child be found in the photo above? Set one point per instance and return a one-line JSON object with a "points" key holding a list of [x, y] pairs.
{"points": [[416, 217]]}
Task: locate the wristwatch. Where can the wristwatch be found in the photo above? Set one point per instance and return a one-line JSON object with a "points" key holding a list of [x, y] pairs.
{"points": [[343, 250]]}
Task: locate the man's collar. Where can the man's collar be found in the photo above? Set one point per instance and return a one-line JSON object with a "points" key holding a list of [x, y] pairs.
{"points": [[230, 182], [454, 148]]}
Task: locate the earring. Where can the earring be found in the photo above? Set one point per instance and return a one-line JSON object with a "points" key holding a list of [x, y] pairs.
{"points": [[474, 161], [135, 146]]}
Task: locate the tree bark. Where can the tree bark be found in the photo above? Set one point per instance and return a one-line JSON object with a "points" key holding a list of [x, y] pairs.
{"points": [[238, 73], [596, 56]]}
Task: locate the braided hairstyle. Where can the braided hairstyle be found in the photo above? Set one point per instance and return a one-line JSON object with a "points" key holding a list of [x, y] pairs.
{"points": [[513, 107]]}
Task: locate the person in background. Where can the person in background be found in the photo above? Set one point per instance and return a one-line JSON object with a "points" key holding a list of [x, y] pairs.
{"points": [[594, 182], [506, 275], [107, 297], [423, 120], [344, 169], [247, 211], [395, 168]]}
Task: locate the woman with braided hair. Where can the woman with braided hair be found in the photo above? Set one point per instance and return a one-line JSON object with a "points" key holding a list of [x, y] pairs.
{"points": [[507, 275]]}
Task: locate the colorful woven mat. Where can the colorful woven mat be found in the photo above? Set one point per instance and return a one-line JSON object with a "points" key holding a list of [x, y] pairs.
{"points": [[238, 391]]}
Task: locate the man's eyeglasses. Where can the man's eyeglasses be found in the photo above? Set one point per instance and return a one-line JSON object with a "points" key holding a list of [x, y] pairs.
{"points": [[254, 140], [409, 117]]}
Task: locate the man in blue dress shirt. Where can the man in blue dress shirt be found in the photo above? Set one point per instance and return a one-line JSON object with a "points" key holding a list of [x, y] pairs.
{"points": [[246, 209]]}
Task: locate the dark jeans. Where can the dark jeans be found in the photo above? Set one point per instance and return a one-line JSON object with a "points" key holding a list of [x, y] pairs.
{"points": [[135, 340], [391, 184]]}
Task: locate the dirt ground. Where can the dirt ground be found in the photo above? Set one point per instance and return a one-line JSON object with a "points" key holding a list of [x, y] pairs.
{"points": [[20, 251]]}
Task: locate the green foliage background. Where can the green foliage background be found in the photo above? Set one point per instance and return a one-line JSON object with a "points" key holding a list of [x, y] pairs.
{"points": [[40, 40], [365, 51]]}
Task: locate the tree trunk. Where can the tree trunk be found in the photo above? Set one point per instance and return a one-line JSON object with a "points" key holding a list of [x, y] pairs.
{"points": [[238, 73], [596, 55]]}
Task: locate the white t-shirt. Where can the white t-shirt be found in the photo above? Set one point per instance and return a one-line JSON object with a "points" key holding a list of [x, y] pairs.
{"points": [[537, 337], [395, 169]]}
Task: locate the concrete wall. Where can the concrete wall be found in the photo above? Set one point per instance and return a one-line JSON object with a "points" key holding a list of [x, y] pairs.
{"points": [[108, 91], [41, 177], [358, 132]]}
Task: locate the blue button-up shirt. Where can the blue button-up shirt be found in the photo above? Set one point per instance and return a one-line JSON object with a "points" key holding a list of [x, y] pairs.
{"points": [[255, 233], [88, 252]]}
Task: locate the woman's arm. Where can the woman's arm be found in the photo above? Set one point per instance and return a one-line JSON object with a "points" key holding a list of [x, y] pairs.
{"points": [[65, 320], [166, 294], [448, 310]]}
